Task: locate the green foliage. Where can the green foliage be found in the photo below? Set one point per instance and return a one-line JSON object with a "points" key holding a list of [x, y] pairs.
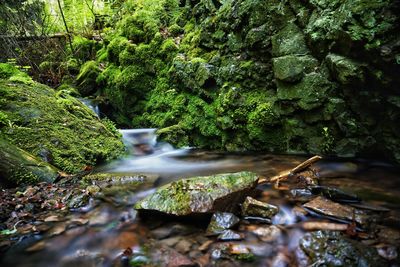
{"points": [[329, 140], [21, 17]]}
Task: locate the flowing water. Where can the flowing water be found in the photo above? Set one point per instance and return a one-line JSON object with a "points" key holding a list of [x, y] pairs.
{"points": [[98, 235]]}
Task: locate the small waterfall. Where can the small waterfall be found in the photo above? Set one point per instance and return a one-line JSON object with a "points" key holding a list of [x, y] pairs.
{"points": [[147, 155], [91, 103], [143, 142]]}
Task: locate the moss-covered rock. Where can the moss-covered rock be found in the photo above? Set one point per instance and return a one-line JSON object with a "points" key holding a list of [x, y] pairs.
{"points": [[310, 93], [345, 70], [290, 40], [55, 126], [87, 77], [305, 76], [292, 68], [201, 195]]}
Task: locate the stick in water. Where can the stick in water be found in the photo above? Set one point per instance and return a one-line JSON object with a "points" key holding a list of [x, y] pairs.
{"points": [[284, 175]]}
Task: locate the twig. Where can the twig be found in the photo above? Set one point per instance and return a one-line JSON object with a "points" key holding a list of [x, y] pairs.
{"points": [[284, 175]]}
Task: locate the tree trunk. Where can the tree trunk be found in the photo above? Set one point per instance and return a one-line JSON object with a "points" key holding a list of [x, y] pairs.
{"points": [[66, 26]]}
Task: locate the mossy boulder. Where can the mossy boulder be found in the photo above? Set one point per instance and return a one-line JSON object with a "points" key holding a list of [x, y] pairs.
{"points": [[201, 195], [55, 126]]}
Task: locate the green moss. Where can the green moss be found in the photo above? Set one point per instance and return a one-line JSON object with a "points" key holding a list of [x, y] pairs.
{"points": [[7, 70], [61, 125], [116, 46], [247, 257], [192, 74], [310, 93], [12, 73], [292, 68], [345, 70], [175, 29], [290, 40], [87, 78], [84, 49]]}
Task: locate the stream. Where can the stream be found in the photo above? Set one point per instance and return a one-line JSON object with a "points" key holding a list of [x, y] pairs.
{"points": [[107, 231]]}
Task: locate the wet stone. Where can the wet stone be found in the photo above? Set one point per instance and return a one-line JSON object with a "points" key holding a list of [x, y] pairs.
{"points": [[259, 220], [201, 195], [301, 194], [387, 252], [229, 235], [267, 233], [171, 230], [161, 255], [334, 194], [253, 207], [78, 201], [171, 241], [334, 249], [221, 221], [335, 210], [183, 246]]}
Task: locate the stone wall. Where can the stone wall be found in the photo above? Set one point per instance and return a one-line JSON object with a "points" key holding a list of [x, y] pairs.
{"points": [[310, 76]]}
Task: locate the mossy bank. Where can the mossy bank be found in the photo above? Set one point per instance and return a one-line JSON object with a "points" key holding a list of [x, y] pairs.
{"points": [[52, 125], [288, 76]]}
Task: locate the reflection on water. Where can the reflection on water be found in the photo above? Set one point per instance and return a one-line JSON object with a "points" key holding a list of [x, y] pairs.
{"points": [[101, 234]]}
